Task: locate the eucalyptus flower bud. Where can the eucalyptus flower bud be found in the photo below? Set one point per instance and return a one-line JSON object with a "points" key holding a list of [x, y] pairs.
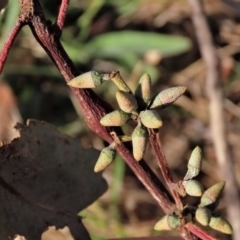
{"points": [[167, 97], [126, 101], [90, 79], [203, 215], [106, 157], [220, 224], [212, 194], [143, 91], [168, 222], [115, 118], [194, 164], [193, 188], [139, 141], [151, 119]]}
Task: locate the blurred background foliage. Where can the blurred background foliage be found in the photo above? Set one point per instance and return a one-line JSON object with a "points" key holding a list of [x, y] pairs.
{"points": [[133, 37]]}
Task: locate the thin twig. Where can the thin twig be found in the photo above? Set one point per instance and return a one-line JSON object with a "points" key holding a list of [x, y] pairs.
{"points": [[217, 120], [163, 165], [199, 232], [8, 44], [62, 14], [145, 174]]}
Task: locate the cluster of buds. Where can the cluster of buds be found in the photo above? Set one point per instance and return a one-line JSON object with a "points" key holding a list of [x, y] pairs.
{"points": [[141, 107], [209, 198], [204, 213]]}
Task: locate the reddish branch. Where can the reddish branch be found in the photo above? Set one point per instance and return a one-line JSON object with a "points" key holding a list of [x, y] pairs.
{"points": [[197, 231], [8, 44], [92, 106], [62, 14], [163, 165]]}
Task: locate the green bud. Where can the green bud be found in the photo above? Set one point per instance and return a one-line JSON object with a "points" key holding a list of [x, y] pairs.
{"points": [[90, 79], [212, 194], [168, 222], [220, 224], [194, 164], [115, 118], [139, 141], [193, 188], [143, 91], [167, 97], [106, 157], [126, 101], [151, 119], [203, 215]]}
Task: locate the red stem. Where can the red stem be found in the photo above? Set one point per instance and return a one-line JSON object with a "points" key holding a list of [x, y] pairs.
{"points": [[199, 232], [8, 44], [148, 178], [62, 14], [163, 165]]}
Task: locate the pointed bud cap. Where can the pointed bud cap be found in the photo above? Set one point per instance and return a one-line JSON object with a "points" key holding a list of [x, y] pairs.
{"points": [[106, 157], [168, 222], [193, 188], [143, 91], [126, 101], [115, 118], [203, 215], [194, 164], [167, 97], [212, 194], [90, 79], [151, 119], [220, 224], [139, 141]]}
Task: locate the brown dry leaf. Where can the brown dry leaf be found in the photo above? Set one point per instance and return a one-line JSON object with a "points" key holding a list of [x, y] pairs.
{"points": [[46, 178]]}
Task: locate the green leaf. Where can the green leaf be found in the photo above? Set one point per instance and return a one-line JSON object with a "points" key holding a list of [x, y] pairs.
{"points": [[114, 44]]}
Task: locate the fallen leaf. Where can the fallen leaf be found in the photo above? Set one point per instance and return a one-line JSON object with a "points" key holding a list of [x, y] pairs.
{"points": [[46, 178]]}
